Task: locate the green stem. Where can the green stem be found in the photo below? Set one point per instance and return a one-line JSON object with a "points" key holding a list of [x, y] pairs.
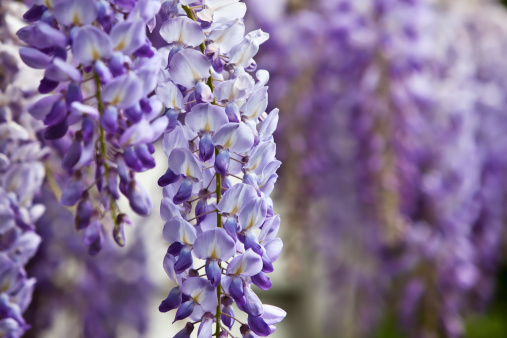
{"points": [[219, 224], [209, 82], [102, 141]]}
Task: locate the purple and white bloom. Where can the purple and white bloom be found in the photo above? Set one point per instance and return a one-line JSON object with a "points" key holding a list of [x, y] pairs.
{"points": [[22, 173], [103, 119], [221, 166]]}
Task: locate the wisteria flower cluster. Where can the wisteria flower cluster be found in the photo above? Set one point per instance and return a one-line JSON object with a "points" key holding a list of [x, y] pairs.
{"points": [[112, 95], [221, 169], [21, 177], [101, 69]]}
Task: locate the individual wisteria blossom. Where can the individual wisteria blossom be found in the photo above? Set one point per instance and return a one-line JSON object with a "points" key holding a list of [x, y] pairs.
{"points": [[104, 296], [395, 133], [21, 177], [221, 169], [101, 115]]}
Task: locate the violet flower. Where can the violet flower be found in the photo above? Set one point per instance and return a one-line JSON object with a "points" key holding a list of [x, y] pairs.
{"points": [[21, 175], [216, 192], [101, 116]]}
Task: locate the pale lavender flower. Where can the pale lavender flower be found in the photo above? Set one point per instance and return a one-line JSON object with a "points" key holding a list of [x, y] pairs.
{"points": [[21, 176], [221, 168], [102, 117]]}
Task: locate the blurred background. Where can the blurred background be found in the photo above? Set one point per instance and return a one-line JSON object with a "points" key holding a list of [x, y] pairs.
{"points": [[392, 192]]}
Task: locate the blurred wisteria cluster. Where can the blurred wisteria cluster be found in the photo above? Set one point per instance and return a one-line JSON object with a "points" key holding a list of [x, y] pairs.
{"points": [[141, 140]]}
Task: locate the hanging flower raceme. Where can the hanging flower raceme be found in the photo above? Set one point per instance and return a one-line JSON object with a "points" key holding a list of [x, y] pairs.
{"points": [[221, 169], [21, 177], [101, 116]]}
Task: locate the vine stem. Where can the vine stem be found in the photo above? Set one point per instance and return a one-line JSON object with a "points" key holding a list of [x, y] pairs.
{"points": [[102, 141], [218, 190]]}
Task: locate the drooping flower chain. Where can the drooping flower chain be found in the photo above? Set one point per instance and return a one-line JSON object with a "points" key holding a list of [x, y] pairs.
{"points": [[21, 176], [221, 169], [102, 70]]}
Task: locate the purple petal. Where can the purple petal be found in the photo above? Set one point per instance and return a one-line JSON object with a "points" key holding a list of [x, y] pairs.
{"points": [[183, 162], [75, 12], [184, 192], [206, 327], [83, 213], [139, 199], [34, 58], [168, 178], [253, 305], [123, 91], [222, 162], [185, 332], [206, 148], [42, 107], [234, 136], [202, 292], [34, 13], [185, 260], [91, 44], [259, 326], [237, 291], [102, 71], [206, 117], [214, 244], [183, 31], [93, 238], [247, 264], [228, 35], [269, 125], [273, 249], [256, 104], [235, 198], [57, 114], [231, 227], [189, 67], [203, 93], [214, 273], [72, 193], [172, 301], [228, 321], [253, 214], [262, 281], [72, 156], [109, 120], [170, 95], [46, 85], [128, 36], [273, 315], [251, 242], [184, 310], [179, 230], [138, 133], [78, 110], [42, 36], [264, 154]]}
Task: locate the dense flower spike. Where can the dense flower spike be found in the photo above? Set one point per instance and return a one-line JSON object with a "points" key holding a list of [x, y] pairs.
{"points": [[221, 168], [102, 116], [21, 177]]}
